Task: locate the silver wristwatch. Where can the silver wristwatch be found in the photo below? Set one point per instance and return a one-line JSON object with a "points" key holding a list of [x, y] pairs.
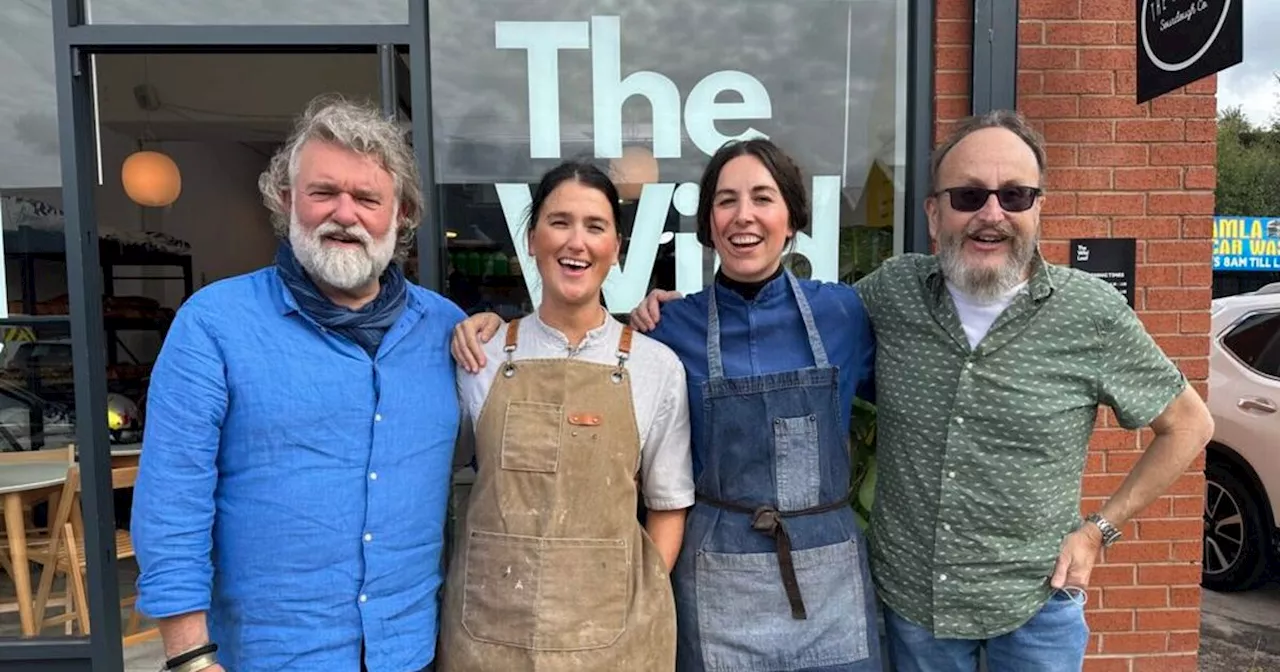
{"points": [[1110, 534]]}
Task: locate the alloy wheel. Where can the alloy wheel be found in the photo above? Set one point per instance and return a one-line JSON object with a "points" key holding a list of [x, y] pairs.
{"points": [[1224, 531]]}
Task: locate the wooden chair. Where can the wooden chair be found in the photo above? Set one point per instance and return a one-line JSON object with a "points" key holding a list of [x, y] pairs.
{"points": [[38, 538], [67, 558], [47, 553]]}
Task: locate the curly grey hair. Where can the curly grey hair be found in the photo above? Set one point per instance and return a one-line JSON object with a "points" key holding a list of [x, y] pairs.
{"points": [[360, 128]]}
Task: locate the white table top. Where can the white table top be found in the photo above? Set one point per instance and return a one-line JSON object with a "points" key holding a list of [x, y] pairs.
{"points": [[126, 449], [31, 476]]}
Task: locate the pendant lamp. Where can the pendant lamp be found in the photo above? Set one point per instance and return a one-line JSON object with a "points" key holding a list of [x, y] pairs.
{"points": [[151, 179]]}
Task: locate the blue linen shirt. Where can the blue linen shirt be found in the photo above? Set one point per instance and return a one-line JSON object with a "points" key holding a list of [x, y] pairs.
{"points": [[292, 486], [767, 335]]}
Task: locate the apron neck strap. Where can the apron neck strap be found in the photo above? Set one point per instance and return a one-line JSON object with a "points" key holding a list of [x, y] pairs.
{"points": [[715, 361], [624, 341]]}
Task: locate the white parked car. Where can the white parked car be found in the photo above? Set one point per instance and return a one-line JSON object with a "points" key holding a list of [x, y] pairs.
{"points": [[1242, 493]]}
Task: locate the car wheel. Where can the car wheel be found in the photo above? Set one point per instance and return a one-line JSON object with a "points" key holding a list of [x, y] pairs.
{"points": [[1235, 534]]}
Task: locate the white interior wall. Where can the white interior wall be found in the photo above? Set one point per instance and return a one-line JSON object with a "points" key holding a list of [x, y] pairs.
{"points": [[219, 213]]}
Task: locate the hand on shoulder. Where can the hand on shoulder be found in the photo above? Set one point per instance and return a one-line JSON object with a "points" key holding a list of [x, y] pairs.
{"points": [[645, 317], [469, 338]]}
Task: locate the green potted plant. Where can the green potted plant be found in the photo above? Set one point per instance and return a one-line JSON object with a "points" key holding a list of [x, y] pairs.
{"points": [[862, 439]]}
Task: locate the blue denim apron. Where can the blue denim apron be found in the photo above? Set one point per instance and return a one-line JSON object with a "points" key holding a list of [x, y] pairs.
{"points": [[773, 574]]}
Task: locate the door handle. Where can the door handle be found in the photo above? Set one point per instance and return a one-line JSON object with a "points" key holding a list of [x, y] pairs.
{"points": [[1256, 404]]}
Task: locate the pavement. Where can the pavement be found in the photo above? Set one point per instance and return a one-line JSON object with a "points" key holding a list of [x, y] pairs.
{"points": [[1240, 632]]}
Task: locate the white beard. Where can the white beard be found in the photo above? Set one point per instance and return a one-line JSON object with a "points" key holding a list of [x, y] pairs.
{"points": [[339, 267]]}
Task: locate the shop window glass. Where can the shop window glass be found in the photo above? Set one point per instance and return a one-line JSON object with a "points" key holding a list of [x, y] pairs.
{"points": [[37, 400], [36, 390], [650, 90], [245, 12]]}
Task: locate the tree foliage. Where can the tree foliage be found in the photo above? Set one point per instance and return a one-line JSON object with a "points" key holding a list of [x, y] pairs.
{"points": [[1248, 166]]}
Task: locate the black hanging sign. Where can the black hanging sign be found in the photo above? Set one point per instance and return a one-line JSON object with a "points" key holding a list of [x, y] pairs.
{"points": [[1181, 41], [1111, 259]]}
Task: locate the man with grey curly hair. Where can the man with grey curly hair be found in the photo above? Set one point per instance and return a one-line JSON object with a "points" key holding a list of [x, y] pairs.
{"points": [[308, 222], [289, 510]]}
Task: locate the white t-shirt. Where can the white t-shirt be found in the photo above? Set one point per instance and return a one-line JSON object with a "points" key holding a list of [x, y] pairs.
{"points": [[977, 316], [658, 393]]}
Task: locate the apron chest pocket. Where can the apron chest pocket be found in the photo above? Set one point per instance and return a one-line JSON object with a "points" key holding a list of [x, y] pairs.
{"points": [[546, 594], [744, 618], [795, 446], [531, 437]]}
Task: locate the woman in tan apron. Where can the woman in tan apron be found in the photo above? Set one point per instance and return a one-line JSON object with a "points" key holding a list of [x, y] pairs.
{"points": [[574, 417]]}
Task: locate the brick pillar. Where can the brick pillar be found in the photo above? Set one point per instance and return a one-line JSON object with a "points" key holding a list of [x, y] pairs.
{"points": [[953, 55], [1118, 169]]}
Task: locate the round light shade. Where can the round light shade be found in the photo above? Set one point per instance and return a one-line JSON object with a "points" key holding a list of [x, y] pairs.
{"points": [[151, 179], [631, 171]]}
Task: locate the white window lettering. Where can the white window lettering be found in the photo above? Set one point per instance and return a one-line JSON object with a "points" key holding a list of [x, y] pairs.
{"points": [[543, 40], [609, 91], [702, 110]]}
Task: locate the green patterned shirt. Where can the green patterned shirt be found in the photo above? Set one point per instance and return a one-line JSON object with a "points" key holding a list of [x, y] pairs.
{"points": [[981, 451]]}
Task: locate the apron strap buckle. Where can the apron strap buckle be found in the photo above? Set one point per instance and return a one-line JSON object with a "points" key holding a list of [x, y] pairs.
{"points": [[513, 335]]}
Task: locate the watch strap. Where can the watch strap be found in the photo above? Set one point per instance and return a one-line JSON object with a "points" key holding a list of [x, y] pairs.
{"points": [[1110, 534]]}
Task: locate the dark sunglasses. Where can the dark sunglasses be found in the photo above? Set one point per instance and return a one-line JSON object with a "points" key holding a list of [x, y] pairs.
{"points": [[972, 199]]}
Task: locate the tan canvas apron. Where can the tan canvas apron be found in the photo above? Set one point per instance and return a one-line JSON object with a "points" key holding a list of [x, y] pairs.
{"points": [[553, 571]]}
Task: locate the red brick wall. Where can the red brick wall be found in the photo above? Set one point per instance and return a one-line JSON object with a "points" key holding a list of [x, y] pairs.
{"points": [[1118, 169]]}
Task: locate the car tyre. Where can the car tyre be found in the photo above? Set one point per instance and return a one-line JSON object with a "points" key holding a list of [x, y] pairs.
{"points": [[1236, 550]]}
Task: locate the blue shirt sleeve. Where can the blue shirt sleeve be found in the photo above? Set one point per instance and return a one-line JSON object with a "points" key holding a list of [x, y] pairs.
{"points": [[865, 337], [173, 499]]}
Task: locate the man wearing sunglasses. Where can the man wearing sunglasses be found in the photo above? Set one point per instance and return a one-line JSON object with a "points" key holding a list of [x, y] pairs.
{"points": [[991, 366]]}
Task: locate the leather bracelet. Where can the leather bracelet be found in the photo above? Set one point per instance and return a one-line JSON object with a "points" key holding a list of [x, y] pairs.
{"points": [[200, 662], [179, 660]]}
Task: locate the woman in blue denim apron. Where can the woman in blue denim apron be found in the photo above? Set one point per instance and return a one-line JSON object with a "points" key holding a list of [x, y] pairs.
{"points": [[773, 571]]}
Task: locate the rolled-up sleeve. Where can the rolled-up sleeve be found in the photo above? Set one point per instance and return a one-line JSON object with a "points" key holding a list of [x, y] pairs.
{"points": [[173, 504]]}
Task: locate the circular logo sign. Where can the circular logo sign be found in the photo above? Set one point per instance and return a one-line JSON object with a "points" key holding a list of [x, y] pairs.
{"points": [[1176, 33]]}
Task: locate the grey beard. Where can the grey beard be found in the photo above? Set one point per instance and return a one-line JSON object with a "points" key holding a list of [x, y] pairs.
{"points": [[985, 284]]}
